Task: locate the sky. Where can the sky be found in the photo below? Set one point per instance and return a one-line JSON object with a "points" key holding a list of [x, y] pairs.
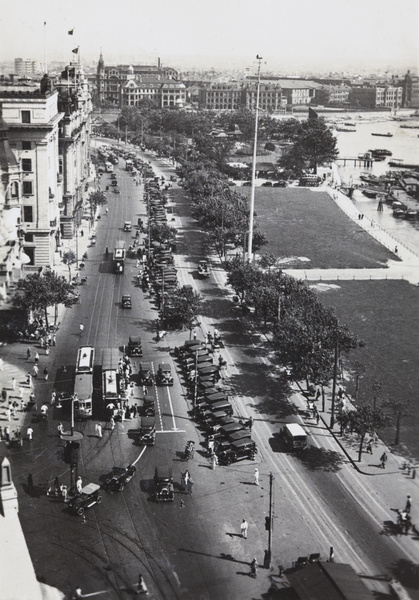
{"points": [[304, 35]]}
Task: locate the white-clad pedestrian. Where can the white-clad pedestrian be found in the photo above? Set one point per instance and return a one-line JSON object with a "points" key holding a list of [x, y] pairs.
{"points": [[13, 383], [79, 484], [29, 433], [99, 430], [256, 476]]}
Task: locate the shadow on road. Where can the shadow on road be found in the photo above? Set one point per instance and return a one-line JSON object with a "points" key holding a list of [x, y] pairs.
{"points": [[221, 556]]}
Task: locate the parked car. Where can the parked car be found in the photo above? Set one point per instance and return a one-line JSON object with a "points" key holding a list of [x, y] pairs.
{"points": [[240, 450], [163, 484], [89, 496], [127, 226], [267, 184], [116, 190], [120, 477], [126, 301], [280, 183]]}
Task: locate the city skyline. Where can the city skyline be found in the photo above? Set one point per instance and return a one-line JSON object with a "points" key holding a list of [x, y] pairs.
{"points": [[325, 36]]}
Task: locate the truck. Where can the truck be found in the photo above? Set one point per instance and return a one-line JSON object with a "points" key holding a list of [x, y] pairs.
{"points": [[147, 431], [119, 256]]}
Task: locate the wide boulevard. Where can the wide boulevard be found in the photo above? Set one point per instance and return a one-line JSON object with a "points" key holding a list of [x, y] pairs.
{"points": [[190, 548]]}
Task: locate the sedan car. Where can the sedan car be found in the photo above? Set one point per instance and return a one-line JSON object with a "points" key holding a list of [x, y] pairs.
{"points": [[120, 476], [126, 301]]}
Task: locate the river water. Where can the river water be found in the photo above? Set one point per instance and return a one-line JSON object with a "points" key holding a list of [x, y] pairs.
{"points": [[404, 145]]}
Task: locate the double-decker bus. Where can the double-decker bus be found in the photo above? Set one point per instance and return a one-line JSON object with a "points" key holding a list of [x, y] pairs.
{"points": [[110, 377], [83, 382]]}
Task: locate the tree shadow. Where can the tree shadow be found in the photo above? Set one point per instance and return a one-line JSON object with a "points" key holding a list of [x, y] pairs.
{"points": [[321, 459], [407, 572]]}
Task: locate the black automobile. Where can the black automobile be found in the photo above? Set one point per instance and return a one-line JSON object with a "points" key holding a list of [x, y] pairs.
{"points": [[240, 450], [120, 477], [135, 347], [89, 496], [163, 484], [280, 183], [126, 301]]}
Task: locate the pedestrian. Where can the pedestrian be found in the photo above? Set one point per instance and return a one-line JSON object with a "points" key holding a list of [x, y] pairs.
{"points": [[194, 334], [256, 476], [60, 429], [64, 492], [35, 371], [331, 554], [185, 479], [142, 588], [383, 460], [29, 380], [214, 461], [30, 484], [13, 383], [47, 350], [189, 485], [54, 340], [79, 484], [106, 210], [408, 505], [46, 373], [243, 529], [53, 397], [317, 417], [254, 568], [112, 423], [99, 429], [7, 433], [29, 433], [396, 250], [81, 329], [20, 393], [36, 358], [144, 391], [4, 395], [28, 354], [369, 446], [77, 595]]}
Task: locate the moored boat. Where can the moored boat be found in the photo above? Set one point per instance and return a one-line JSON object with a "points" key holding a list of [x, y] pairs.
{"points": [[388, 134]]}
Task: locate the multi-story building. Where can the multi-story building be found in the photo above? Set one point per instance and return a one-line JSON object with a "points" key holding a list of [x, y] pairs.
{"points": [[126, 85], [410, 86], [25, 67], [74, 102], [376, 96], [32, 118], [12, 256], [333, 95], [235, 96]]}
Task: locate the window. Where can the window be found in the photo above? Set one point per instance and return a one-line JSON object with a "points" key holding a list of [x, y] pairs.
{"points": [[26, 145], [28, 214], [27, 188], [26, 116], [27, 165], [29, 237]]}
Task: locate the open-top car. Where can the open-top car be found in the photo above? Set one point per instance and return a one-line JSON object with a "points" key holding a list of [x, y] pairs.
{"points": [[163, 483], [89, 496], [120, 477]]}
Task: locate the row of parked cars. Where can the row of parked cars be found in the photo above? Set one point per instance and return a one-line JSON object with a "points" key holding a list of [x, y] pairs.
{"points": [[228, 437]]}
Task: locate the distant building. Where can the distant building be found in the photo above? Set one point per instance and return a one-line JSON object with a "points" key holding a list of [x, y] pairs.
{"points": [[26, 67], [127, 85], [376, 96], [236, 96], [410, 86]]}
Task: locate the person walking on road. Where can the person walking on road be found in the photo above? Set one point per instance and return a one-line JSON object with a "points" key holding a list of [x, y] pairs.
{"points": [[369, 446], [36, 358], [142, 588], [79, 484], [81, 329], [243, 529], [29, 433], [112, 423], [214, 461], [28, 354], [46, 373], [383, 460], [35, 371], [254, 568], [189, 485], [408, 506], [256, 476], [99, 430], [13, 384]]}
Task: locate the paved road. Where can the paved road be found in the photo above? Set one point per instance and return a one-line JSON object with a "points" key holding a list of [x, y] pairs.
{"points": [[191, 550]]}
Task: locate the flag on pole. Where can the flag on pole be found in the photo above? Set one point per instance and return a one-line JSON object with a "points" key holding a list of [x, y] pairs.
{"points": [[71, 32], [76, 50]]}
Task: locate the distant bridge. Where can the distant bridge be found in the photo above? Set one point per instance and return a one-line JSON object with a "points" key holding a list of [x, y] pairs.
{"points": [[357, 160]]}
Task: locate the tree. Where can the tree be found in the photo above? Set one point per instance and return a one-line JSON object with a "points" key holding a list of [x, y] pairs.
{"points": [[181, 308], [96, 198], [37, 292], [315, 145], [397, 410], [363, 420], [69, 258], [163, 233]]}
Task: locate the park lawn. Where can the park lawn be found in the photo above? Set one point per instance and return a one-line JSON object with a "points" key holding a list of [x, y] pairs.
{"points": [[384, 314], [303, 223]]}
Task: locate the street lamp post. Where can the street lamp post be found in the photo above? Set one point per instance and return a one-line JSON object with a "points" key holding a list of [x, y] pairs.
{"points": [[252, 195]]}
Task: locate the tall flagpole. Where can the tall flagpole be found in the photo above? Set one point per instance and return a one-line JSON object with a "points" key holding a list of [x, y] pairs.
{"points": [[252, 196], [45, 48]]}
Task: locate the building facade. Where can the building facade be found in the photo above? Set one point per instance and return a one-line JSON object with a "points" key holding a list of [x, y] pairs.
{"points": [[75, 105], [236, 96]]}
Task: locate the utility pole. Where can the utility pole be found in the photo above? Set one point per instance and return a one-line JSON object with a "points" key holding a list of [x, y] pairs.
{"points": [[268, 525], [252, 195], [335, 374]]}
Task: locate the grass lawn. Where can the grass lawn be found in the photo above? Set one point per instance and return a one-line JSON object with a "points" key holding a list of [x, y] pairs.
{"points": [[384, 314], [302, 223]]}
